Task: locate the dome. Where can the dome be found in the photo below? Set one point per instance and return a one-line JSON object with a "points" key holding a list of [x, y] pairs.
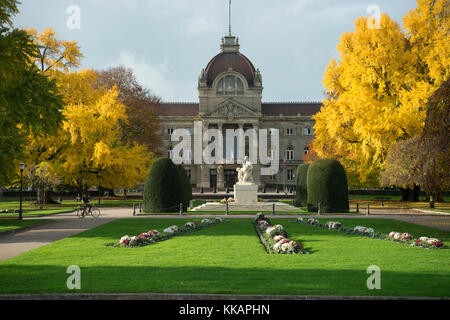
{"points": [[226, 60]]}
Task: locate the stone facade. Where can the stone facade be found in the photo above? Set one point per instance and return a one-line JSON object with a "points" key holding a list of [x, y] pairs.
{"points": [[230, 97]]}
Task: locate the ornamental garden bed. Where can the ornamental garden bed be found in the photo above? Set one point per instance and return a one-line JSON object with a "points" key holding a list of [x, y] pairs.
{"points": [[154, 236], [228, 258], [275, 238], [404, 238]]}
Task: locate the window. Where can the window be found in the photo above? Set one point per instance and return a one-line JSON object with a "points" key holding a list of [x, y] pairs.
{"points": [[290, 174], [272, 177], [186, 154], [170, 152], [289, 153], [290, 131], [307, 131], [230, 85], [188, 172], [272, 131], [306, 150], [170, 131]]}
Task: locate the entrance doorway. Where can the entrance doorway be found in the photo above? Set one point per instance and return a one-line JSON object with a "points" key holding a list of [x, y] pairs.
{"points": [[230, 177], [213, 178]]}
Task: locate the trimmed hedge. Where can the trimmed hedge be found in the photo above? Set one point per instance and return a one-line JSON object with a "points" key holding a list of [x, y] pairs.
{"points": [[301, 194], [187, 188], [163, 190], [327, 186]]}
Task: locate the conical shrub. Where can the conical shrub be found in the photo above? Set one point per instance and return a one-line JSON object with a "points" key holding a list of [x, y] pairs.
{"points": [[163, 189], [327, 185]]}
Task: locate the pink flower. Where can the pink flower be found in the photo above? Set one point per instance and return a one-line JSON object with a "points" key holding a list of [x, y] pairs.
{"points": [[278, 238]]}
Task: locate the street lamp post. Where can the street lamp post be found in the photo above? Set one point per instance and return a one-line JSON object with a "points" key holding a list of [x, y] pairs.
{"points": [[22, 167], [99, 176]]}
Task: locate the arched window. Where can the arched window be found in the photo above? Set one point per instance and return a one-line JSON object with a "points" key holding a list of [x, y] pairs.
{"points": [[230, 85]]}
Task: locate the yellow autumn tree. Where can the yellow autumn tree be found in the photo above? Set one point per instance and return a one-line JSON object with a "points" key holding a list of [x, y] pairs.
{"points": [[94, 149], [86, 148], [379, 87]]}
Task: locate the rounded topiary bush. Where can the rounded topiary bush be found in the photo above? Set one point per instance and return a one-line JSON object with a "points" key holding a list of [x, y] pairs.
{"points": [[163, 189], [327, 184], [301, 198], [187, 187]]}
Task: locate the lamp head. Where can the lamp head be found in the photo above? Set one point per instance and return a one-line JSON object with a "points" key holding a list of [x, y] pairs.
{"points": [[22, 166]]}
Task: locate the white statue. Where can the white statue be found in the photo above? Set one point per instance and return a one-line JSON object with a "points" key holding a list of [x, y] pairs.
{"points": [[245, 174]]}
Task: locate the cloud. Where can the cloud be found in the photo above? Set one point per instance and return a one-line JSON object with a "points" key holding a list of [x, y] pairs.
{"points": [[153, 77], [203, 22]]}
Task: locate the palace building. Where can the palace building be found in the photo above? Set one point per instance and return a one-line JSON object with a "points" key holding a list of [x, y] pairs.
{"points": [[230, 91]]}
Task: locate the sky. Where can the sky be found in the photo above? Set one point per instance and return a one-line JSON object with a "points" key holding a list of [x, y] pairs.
{"points": [[168, 42]]}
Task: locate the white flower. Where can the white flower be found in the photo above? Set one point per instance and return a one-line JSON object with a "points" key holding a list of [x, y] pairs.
{"points": [[125, 239], [277, 247], [278, 238], [333, 225], [271, 231], [206, 221], [171, 230], [300, 220], [364, 229], [286, 247], [218, 219], [278, 227]]}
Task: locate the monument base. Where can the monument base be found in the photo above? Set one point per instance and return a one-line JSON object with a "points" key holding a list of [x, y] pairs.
{"points": [[246, 193]]}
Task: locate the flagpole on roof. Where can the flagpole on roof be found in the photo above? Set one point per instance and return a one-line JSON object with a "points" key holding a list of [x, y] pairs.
{"points": [[229, 19]]}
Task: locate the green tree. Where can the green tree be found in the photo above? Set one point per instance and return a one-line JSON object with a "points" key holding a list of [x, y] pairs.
{"points": [[29, 102]]}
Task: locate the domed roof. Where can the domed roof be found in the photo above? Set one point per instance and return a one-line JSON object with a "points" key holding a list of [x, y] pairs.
{"points": [[226, 60]]}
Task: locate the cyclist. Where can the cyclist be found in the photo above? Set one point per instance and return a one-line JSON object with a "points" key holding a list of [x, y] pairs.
{"points": [[86, 204]]}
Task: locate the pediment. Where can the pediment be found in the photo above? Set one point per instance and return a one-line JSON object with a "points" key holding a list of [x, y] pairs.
{"points": [[231, 110]]}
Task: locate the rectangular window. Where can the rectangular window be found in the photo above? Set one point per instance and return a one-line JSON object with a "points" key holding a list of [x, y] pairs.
{"points": [[272, 177], [290, 174], [289, 155], [290, 131], [307, 131], [169, 131]]}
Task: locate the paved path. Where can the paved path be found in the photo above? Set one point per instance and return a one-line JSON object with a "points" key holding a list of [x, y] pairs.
{"points": [[68, 224], [63, 226]]}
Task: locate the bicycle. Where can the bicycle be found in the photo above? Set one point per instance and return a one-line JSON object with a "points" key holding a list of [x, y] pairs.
{"points": [[93, 211]]}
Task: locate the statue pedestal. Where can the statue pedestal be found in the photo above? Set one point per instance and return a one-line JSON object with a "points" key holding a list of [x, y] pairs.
{"points": [[246, 193]]}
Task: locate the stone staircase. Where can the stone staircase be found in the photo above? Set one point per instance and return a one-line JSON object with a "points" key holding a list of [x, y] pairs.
{"points": [[232, 206]]}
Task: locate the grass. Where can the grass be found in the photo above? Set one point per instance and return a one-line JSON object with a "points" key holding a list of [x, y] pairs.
{"points": [[30, 210], [228, 258], [37, 212], [7, 225]]}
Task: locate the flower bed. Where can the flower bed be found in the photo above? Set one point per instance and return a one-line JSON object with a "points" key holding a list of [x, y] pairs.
{"points": [[404, 238], [275, 238], [225, 200], [154, 236]]}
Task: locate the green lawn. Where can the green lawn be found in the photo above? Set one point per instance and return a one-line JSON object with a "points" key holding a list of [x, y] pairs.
{"points": [[229, 259], [7, 225]]}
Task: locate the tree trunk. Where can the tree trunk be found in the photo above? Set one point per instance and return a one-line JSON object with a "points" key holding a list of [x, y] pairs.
{"points": [[416, 193], [404, 193], [48, 198], [439, 197], [432, 199], [110, 192]]}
